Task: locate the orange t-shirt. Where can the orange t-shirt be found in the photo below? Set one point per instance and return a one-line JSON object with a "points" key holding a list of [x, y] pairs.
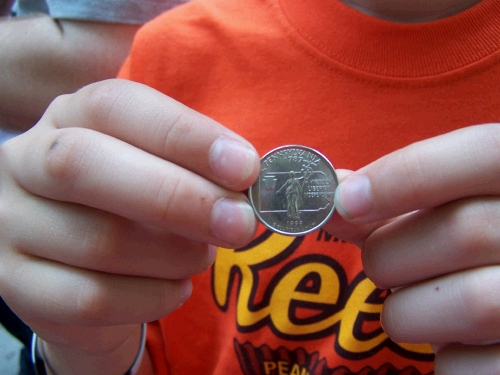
{"points": [[320, 74]]}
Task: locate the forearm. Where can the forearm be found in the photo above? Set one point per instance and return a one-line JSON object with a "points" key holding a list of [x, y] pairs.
{"points": [[112, 352], [43, 58]]}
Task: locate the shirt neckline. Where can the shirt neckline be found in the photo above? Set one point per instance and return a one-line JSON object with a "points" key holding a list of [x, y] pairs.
{"points": [[397, 50]]}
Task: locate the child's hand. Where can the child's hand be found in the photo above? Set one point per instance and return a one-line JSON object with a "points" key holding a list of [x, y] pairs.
{"points": [[107, 205], [427, 218]]}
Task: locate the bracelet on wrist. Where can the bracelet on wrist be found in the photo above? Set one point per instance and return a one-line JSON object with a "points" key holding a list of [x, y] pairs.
{"points": [[39, 362], [134, 369]]}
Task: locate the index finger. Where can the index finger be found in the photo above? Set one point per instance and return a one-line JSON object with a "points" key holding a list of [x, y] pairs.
{"points": [[159, 125], [429, 173]]}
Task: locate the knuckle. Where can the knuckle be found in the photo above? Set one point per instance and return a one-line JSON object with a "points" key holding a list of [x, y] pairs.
{"points": [[482, 300], [167, 193], [176, 132], [101, 101], [57, 104], [414, 170], [66, 155], [102, 240], [92, 302], [473, 229]]}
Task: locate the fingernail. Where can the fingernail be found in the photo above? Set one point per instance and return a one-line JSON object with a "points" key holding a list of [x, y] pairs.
{"points": [[353, 197], [233, 161], [232, 221], [212, 253]]}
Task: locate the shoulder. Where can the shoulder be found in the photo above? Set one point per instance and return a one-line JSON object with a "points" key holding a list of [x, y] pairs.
{"points": [[123, 11], [192, 40]]}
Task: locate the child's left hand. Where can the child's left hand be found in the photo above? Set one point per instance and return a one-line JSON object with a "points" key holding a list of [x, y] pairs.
{"points": [[427, 218]]}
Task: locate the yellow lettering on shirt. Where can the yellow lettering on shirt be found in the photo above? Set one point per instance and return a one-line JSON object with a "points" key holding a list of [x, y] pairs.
{"points": [[285, 293], [283, 368]]}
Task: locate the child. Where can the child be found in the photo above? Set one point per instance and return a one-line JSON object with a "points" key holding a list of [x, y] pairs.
{"points": [[276, 72]]}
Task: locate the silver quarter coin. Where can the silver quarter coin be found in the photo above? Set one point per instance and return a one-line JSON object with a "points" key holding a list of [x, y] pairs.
{"points": [[294, 192]]}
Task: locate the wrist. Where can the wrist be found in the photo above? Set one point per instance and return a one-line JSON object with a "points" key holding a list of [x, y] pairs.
{"points": [[50, 359]]}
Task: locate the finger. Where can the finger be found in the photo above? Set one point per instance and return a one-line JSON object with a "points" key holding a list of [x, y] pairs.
{"points": [[430, 243], [346, 230], [86, 167], [87, 238], [459, 359], [151, 121], [426, 174], [75, 296], [461, 307]]}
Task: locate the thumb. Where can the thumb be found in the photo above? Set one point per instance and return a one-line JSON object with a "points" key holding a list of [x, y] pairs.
{"points": [[426, 174], [344, 229]]}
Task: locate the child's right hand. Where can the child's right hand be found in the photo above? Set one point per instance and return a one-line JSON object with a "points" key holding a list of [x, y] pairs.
{"points": [[106, 207]]}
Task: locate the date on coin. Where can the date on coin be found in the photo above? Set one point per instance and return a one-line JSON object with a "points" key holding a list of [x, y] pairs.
{"points": [[294, 192]]}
